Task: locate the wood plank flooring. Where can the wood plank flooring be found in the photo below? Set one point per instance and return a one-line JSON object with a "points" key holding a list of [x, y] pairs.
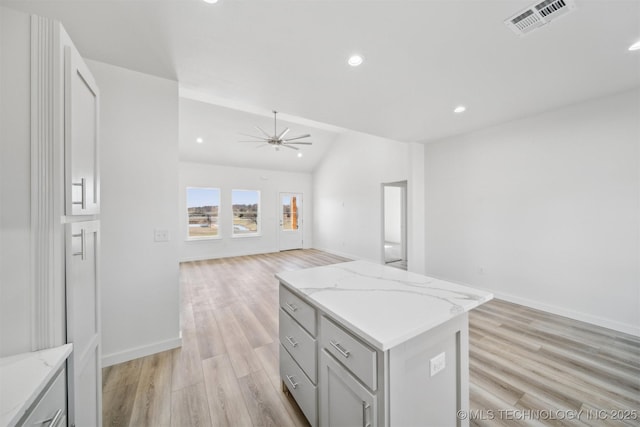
{"points": [[528, 367], [226, 373]]}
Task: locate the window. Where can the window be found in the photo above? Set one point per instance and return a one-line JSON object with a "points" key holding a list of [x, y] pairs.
{"points": [[203, 207], [290, 212], [246, 212]]}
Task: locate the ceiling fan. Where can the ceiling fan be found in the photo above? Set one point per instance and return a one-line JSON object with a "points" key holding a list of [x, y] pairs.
{"points": [[278, 140]]}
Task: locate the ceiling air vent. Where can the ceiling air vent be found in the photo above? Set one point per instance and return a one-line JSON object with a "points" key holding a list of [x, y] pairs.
{"points": [[538, 15]]}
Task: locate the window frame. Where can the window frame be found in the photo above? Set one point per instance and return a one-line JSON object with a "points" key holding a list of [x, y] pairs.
{"points": [[218, 236], [258, 231]]}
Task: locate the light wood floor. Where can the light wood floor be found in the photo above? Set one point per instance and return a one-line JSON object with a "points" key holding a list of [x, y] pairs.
{"points": [[226, 373]]}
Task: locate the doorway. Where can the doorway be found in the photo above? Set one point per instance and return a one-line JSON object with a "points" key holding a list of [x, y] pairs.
{"points": [[394, 224], [290, 229]]}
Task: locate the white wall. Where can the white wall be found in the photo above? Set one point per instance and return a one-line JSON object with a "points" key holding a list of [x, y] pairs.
{"points": [[416, 209], [348, 196], [544, 211], [15, 183], [139, 185], [226, 178]]}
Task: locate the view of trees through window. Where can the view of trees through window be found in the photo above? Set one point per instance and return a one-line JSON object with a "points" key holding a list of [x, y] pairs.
{"points": [[203, 206], [246, 208]]}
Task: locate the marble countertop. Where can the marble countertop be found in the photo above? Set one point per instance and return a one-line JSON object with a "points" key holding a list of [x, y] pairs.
{"points": [[23, 377], [384, 305]]}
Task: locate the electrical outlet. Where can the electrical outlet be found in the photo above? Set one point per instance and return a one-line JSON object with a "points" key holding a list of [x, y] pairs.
{"points": [[437, 364], [161, 235]]}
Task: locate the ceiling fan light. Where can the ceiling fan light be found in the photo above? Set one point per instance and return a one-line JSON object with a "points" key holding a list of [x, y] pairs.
{"points": [[211, 1], [355, 60], [635, 46], [299, 155], [460, 109], [199, 140], [277, 140]]}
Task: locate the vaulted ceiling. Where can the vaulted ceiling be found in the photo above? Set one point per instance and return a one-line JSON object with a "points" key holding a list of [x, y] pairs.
{"points": [[421, 58]]}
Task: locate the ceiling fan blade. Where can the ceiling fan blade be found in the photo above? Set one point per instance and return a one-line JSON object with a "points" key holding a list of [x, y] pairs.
{"points": [[253, 136], [282, 134], [263, 132], [297, 137], [288, 146], [298, 143]]}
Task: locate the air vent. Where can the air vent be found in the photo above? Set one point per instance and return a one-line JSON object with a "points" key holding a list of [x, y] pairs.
{"points": [[538, 15]]}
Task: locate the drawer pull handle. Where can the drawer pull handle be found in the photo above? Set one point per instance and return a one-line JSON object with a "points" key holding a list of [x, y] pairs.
{"points": [[365, 406], [83, 185], [291, 341], [290, 379], [83, 241], [291, 307], [340, 349]]}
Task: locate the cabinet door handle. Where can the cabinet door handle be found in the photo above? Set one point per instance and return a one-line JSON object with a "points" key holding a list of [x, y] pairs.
{"points": [[290, 379], [291, 307], [83, 252], [343, 351], [365, 406], [291, 341], [83, 188]]}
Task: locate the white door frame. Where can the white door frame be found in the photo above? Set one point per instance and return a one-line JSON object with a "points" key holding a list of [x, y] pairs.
{"points": [[296, 242], [403, 185]]}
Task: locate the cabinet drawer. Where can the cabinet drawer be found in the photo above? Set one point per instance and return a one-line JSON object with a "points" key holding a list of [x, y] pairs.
{"points": [[298, 309], [302, 390], [53, 400], [300, 345], [355, 355]]}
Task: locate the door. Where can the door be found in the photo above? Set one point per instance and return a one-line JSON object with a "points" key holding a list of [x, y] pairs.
{"points": [[394, 224], [83, 323], [343, 400], [81, 137], [290, 232]]}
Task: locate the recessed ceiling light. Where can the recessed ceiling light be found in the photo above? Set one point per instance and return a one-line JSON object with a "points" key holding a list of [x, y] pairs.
{"points": [[299, 155], [355, 60], [635, 46], [460, 109], [210, 1], [199, 140]]}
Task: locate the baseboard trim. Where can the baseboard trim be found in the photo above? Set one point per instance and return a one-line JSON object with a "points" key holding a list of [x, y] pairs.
{"points": [[343, 254], [142, 351], [205, 257], [575, 315]]}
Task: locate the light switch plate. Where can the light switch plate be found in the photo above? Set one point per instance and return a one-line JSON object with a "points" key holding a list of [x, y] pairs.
{"points": [[161, 235], [437, 364]]}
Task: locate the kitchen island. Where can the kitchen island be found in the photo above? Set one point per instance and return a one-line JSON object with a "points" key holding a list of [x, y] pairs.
{"points": [[369, 345], [33, 388]]}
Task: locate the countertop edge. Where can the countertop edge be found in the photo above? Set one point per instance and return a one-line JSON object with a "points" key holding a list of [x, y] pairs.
{"points": [[13, 415]]}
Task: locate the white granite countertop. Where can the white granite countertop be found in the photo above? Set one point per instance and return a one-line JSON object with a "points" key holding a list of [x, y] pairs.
{"points": [[23, 377], [384, 305]]}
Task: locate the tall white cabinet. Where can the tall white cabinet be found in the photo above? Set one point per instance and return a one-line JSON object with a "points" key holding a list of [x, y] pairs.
{"points": [[50, 128], [82, 243]]}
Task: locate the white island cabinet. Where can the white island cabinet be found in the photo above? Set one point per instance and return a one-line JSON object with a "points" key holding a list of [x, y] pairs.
{"points": [[363, 344], [33, 389]]}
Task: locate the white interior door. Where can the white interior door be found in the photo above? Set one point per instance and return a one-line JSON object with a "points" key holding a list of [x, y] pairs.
{"points": [[290, 230], [83, 323], [81, 137]]}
